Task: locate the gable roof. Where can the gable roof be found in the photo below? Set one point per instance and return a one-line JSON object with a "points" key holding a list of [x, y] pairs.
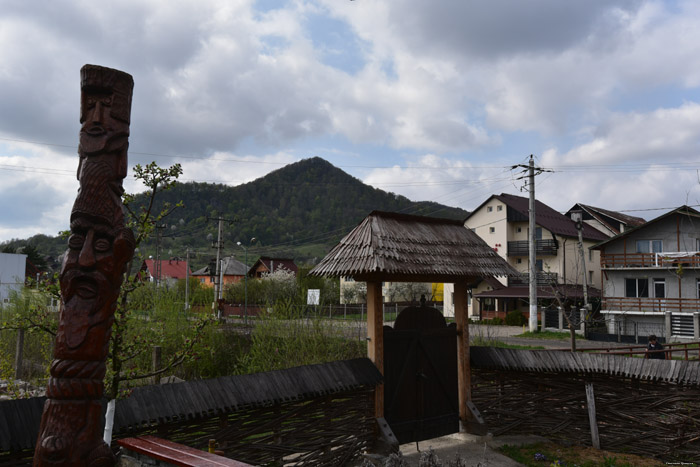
{"points": [[392, 246], [232, 267], [169, 268], [682, 210], [274, 264], [604, 215], [554, 221]]}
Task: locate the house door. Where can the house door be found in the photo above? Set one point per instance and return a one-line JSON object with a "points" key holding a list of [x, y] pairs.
{"points": [[420, 375], [660, 294]]}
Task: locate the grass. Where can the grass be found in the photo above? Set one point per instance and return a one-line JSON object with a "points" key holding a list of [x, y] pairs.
{"points": [[491, 342], [554, 335], [551, 454]]}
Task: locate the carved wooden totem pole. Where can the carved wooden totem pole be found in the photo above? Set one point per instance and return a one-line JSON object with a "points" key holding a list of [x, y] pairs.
{"points": [[99, 248]]}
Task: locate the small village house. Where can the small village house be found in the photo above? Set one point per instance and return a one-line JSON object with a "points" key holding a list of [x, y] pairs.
{"points": [[267, 264], [165, 272], [610, 223], [651, 277], [232, 271]]}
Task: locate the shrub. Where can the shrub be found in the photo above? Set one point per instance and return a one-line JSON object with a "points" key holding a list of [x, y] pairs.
{"points": [[515, 318]]}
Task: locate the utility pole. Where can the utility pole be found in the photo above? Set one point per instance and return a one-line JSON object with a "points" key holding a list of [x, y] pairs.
{"points": [[218, 281], [531, 248], [532, 242]]}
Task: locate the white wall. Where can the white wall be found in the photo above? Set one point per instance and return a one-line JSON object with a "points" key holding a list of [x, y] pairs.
{"points": [[12, 269]]}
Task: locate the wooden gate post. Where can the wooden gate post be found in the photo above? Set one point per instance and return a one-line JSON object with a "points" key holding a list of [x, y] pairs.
{"points": [[464, 375], [375, 339]]}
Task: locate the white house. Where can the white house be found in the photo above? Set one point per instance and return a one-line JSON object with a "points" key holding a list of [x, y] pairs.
{"points": [[12, 270]]}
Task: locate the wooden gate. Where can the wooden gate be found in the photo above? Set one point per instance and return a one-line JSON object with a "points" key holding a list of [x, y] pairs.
{"points": [[420, 375]]}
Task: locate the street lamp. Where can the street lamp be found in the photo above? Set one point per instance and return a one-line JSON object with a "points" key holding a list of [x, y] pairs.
{"points": [[245, 280]]}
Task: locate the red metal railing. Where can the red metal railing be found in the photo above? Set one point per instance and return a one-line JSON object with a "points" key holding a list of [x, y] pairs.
{"points": [[651, 304], [647, 260]]}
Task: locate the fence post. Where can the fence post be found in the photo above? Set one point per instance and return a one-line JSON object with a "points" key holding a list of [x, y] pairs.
{"points": [[561, 318], [543, 317], [636, 332], [156, 361], [19, 354], [696, 325], [590, 398], [667, 322]]}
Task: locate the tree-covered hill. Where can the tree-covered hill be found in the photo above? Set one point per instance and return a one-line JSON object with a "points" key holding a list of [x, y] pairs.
{"points": [[299, 211]]}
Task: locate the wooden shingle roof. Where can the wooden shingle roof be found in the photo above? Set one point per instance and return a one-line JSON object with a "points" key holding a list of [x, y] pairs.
{"points": [[670, 371], [399, 247]]}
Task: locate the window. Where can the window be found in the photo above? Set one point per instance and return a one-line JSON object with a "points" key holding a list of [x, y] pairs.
{"points": [[590, 255], [660, 288], [590, 277], [538, 233], [520, 229], [499, 208], [649, 246], [519, 260], [201, 280], [538, 265], [698, 287], [636, 288], [488, 304], [489, 208], [212, 279], [492, 229]]}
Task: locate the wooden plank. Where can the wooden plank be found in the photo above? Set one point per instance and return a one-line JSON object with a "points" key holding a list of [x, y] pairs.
{"points": [[375, 342], [464, 376], [176, 454]]}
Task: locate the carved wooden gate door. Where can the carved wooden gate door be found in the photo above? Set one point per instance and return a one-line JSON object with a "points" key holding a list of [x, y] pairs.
{"points": [[420, 375]]}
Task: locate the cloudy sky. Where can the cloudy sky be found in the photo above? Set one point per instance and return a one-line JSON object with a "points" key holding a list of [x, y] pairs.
{"points": [[435, 100]]}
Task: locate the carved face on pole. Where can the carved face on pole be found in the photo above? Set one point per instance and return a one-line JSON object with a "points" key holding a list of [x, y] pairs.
{"points": [[104, 111], [98, 250]]}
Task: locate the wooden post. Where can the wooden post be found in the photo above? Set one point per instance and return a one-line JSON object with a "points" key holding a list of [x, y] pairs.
{"points": [[156, 361], [19, 353], [590, 398], [464, 376], [375, 339]]}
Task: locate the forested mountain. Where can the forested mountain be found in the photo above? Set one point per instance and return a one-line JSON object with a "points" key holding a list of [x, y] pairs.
{"points": [[299, 211]]}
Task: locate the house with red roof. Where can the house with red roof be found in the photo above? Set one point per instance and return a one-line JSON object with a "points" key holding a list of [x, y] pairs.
{"points": [[165, 272]]}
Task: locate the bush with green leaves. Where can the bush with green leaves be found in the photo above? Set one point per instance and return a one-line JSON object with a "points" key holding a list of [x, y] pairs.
{"points": [[515, 318]]}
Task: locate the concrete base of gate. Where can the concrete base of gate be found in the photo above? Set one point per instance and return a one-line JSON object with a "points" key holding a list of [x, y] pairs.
{"points": [[476, 450]]}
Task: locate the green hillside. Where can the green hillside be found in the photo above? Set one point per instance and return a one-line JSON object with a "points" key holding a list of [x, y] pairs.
{"points": [[299, 211]]}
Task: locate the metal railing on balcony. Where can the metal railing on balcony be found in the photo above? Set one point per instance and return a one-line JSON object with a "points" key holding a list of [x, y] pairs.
{"points": [[650, 260], [542, 248], [543, 279], [649, 304]]}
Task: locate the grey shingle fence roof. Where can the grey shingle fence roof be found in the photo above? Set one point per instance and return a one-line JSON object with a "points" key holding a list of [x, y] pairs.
{"points": [[151, 405], [671, 371]]}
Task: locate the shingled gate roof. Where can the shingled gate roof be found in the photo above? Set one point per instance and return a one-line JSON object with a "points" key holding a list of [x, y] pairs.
{"points": [[400, 247]]}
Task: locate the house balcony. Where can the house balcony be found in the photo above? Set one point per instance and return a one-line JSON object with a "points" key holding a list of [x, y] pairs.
{"points": [[663, 260], [649, 304], [542, 248], [543, 279]]}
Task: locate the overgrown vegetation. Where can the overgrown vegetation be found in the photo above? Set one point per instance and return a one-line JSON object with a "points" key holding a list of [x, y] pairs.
{"points": [[550, 454]]}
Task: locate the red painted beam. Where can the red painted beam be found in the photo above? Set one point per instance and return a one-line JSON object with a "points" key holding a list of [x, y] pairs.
{"points": [[175, 453]]}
